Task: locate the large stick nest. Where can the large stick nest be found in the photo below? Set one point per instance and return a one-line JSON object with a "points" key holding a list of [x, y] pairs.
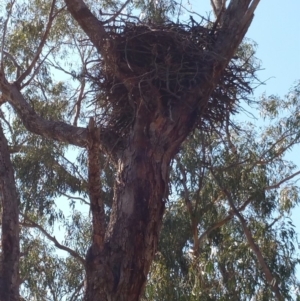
{"points": [[159, 65]]}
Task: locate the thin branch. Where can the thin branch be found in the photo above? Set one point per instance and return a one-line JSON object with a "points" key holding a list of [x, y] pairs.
{"points": [[75, 168], [116, 14], [223, 221], [74, 198], [6, 122], [40, 47], [274, 221], [251, 10], [277, 185], [33, 224], [75, 295], [216, 225], [11, 57], [189, 207], [36, 70], [4, 34], [272, 281], [56, 130], [78, 103]]}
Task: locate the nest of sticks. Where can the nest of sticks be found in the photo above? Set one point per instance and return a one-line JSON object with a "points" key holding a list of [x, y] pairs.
{"points": [[159, 65]]}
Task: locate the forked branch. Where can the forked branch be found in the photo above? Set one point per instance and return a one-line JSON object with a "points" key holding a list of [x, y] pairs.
{"points": [[56, 130], [272, 281]]}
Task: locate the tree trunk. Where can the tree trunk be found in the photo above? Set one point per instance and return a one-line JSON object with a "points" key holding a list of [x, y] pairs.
{"points": [[9, 265], [118, 269]]}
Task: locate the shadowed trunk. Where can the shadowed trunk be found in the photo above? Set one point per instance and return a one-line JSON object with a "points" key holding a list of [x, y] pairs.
{"points": [[118, 269], [9, 265]]}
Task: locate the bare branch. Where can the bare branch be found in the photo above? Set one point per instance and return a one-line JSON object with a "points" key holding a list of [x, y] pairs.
{"points": [[56, 130], [5, 121], [75, 198], [36, 70], [251, 9], [277, 185], [76, 293], [78, 103], [30, 223], [269, 226], [116, 14], [216, 225], [189, 206], [218, 8], [74, 167]]}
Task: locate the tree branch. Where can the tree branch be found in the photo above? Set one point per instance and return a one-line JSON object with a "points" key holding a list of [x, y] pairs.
{"points": [[14, 61], [223, 221], [55, 130], [35, 71], [272, 281], [40, 47], [76, 293], [53, 239], [194, 223], [78, 102], [75, 198], [88, 22], [116, 14], [4, 35], [236, 21], [94, 186], [277, 185]]}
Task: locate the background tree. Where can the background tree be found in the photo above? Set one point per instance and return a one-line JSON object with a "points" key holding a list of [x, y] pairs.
{"points": [[137, 94], [238, 192]]}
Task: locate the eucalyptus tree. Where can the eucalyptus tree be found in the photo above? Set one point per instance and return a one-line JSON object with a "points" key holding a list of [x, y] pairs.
{"points": [[140, 88], [234, 192]]}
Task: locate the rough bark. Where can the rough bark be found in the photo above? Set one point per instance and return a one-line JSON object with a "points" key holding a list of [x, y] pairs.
{"points": [[117, 270], [94, 186], [9, 265]]}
